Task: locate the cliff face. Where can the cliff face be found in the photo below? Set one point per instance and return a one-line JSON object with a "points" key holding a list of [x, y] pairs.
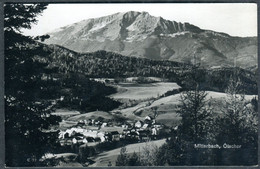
{"points": [[142, 35]]}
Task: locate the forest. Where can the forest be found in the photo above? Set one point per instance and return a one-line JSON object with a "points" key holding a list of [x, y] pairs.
{"points": [[102, 64]]}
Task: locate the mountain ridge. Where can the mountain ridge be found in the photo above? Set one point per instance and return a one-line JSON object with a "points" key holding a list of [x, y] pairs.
{"points": [[139, 34]]}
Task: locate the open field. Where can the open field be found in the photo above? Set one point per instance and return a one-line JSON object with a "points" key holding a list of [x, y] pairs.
{"points": [[146, 79], [169, 119], [129, 111], [163, 104], [103, 158], [135, 91], [65, 156], [65, 124], [91, 115], [65, 112], [166, 107]]}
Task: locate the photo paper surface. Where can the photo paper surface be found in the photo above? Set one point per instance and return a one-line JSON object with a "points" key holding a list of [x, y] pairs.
{"points": [[130, 84]]}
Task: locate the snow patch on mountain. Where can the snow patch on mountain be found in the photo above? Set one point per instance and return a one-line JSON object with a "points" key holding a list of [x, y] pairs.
{"points": [[173, 35]]}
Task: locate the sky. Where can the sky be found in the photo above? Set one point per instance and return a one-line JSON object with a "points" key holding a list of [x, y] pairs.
{"points": [[236, 19]]}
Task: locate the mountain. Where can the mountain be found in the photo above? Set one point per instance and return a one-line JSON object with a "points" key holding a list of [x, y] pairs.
{"points": [[141, 35]]}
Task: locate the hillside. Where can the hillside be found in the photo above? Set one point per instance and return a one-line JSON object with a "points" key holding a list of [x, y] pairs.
{"points": [[139, 34], [167, 107], [111, 65], [103, 158]]}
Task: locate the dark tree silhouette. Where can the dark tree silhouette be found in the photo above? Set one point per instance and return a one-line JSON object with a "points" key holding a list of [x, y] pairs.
{"points": [[134, 160], [27, 114], [196, 119], [237, 126], [122, 158]]}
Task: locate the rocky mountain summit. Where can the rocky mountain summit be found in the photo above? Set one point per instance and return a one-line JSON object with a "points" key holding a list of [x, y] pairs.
{"points": [[139, 34]]}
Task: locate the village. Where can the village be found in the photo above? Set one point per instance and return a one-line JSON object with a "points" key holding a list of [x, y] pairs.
{"points": [[94, 131]]}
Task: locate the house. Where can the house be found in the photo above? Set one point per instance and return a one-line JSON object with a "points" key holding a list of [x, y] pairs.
{"points": [[130, 123], [72, 133], [62, 142], [144, 135], [102, 138], [79, 139], [175, 128], [148, 118], [115, 136], [133, 129], [85, 141], [68, 132], [90, 133], [89, 122], [132, 135], [81, 123], [100, 134], [153, 121], [67, 142], [145, 126], [124, 126], [62, 98], [61, 134], [109, 124], [85, 121], [139, 124], [154, 131], [158, 126], [74, 141], [97, 123], [122, 136], [104, 125], [93, 121], [108, 136]]}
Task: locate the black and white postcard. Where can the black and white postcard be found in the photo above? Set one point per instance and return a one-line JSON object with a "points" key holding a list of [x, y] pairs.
{"points": [[130, 84]]}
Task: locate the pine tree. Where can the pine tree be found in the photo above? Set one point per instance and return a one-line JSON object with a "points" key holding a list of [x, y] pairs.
{"points": [[134, 160], [195, 115], [149, 155], [195, 127], [123, 158], [194, 109], [237, 126], [27, 108]]}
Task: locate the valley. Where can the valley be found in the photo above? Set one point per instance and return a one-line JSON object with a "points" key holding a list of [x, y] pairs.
{"points": [[106, 101], [146, 108]]}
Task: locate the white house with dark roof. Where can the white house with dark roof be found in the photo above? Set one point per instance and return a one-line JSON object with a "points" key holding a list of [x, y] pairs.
{"points": [[138, 124]]}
